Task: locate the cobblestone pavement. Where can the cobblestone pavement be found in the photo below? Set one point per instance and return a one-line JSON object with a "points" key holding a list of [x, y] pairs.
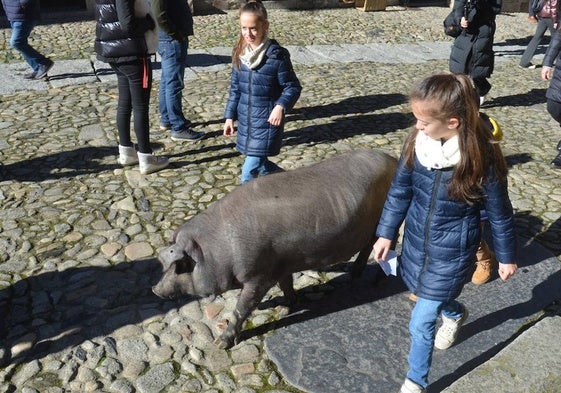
{"points": [[79, 234]]}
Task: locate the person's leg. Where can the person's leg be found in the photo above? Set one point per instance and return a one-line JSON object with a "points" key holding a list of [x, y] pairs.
{"points": [[482, 86], [422, 328], [250, 168], [554, 109], [543, 25], [139, 75], [124, 106], [269, 167], [19, 41], [173, 57]]}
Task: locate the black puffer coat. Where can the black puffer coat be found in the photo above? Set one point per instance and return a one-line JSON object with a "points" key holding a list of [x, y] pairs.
{"points": [[120, 35], [441, 235], [472, 52], [550, 60]]}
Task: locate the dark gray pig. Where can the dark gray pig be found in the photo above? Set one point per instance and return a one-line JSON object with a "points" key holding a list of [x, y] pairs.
{"points": [[273, 226]]}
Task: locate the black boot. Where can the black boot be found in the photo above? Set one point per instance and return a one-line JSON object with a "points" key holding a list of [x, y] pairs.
{"points": [[556, 163]]}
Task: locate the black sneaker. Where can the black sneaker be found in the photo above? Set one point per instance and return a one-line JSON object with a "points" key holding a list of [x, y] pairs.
{"points": [[30, 75], [43, 69], [559, 146], [186, 134]]}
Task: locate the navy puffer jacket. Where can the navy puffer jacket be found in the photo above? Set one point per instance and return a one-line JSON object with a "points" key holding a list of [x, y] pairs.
{"points": [[119, 34], [21, 10], [441, 236], [254, 94]]}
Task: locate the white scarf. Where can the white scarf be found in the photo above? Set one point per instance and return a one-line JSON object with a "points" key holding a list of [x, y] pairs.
{"points": [[434, 154], [253, 57]]}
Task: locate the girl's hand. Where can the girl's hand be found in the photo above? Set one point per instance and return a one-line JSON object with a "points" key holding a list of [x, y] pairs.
{"points": [[464, 23], [507, 270], [381, 248], [547, 72], [229, 127], [275, 118]]}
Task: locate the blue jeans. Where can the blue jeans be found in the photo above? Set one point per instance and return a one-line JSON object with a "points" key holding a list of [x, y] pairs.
{"points": [[174, 61], [18, 41], [254, 166], [422, 328]]}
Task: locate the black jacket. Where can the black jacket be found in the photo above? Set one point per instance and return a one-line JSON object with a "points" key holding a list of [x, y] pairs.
{"points": [[472, 52], [119, 33], [21, 10], [174, 18], [551, 60]]}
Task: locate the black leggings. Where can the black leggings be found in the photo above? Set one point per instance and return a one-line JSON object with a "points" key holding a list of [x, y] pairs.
{"points": [[134, 81], [554, 109]]}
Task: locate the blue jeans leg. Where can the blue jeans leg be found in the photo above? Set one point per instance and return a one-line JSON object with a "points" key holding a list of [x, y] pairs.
{"points": [[254, 166], [174, 57], [422, 328], [18, 40]]}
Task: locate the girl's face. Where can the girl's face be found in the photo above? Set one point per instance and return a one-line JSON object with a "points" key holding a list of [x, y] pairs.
{"points": [[433, 128], [254, 31]]}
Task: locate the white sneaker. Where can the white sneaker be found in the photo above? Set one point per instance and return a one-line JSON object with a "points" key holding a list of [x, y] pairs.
{"points": [[481, 100], [127, 155], [411, 387], [150, 163], [448, 332]]}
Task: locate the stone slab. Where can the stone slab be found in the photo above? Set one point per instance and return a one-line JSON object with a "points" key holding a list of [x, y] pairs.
{"points": [[530, 364], [356, 339]]}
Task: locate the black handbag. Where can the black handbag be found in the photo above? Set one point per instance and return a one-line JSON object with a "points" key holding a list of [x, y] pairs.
{"points": [[452, 26]]}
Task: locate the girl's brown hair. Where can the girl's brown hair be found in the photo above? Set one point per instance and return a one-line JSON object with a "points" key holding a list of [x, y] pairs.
{"points": [[254, 7], [448, 96]]}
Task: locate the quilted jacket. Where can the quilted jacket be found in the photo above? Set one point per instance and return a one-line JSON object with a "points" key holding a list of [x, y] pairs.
{"points": [[441, 236], [254, 94], [21, 10], [121, 34]]}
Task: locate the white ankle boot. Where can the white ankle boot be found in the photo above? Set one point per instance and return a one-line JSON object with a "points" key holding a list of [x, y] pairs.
{"points": [[127, 155], [150, 163]]}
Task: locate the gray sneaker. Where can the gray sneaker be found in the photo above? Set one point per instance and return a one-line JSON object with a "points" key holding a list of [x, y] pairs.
{"points": [[186, 134], [43, 69]]}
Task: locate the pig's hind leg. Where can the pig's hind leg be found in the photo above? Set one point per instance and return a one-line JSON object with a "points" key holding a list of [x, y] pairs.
{"points": [[250, 296], [362, 259]]}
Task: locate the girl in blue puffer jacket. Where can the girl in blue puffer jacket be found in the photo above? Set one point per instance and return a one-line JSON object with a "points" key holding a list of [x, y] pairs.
{"points": [[263, 88], [450, 169]]}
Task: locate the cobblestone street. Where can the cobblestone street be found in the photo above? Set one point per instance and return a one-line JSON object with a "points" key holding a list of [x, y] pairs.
{"points": [[79, 234]]}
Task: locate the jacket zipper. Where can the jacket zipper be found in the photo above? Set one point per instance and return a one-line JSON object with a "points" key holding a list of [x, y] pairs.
{"points": [[429, 219], [250, 90]]}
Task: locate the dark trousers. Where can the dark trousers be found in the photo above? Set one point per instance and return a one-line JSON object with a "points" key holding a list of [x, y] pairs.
{"points": [[134, 81]]}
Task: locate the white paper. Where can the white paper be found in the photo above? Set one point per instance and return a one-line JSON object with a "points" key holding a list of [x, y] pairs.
{"points": [[389, 266]]}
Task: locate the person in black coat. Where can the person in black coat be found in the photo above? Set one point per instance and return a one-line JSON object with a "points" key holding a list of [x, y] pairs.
{"points": [[125, 38], [553, 93], [472, 52]]}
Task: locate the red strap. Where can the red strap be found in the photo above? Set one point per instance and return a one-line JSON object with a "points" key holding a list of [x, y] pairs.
{"points": [[145, 73]]}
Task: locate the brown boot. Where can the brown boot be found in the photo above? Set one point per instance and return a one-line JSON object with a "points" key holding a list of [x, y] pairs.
{"points": [[484, 265]]}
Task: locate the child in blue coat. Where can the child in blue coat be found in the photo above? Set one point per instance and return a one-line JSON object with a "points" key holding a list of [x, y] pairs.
{"points": [[263, 88], [451, 168]]}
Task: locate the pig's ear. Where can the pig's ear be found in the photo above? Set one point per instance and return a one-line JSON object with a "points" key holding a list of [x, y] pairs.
{"points": [[193, 255], [193, 249]]}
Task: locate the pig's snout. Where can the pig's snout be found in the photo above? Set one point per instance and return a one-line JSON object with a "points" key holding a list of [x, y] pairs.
{"points": [[158, 291]]}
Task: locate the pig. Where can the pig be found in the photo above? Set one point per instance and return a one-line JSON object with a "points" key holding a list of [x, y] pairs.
{"points": [[276, 225]]}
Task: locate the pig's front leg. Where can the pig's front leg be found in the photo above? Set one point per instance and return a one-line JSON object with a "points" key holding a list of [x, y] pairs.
{"points": [[250, 296]]}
